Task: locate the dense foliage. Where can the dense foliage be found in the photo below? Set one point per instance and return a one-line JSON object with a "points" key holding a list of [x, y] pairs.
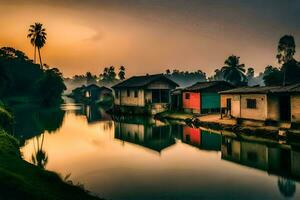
{"points": [[185, 78], [20, 77]]}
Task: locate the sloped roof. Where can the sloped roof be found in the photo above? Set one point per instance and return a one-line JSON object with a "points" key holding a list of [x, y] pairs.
{"points": [[142, 81], [264, 89], [205, 85]]}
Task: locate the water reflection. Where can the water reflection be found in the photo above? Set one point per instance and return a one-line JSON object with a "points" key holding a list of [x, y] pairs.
{"points": [[188, 163], [32, 121], [282, 161], [202, 139], [146, 132], [40, 157], [93, 113]]}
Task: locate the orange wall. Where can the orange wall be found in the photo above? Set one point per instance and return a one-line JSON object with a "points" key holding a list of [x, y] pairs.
{"points": [[193, 102]]}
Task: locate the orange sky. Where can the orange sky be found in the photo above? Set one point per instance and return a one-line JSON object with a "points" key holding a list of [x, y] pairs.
{"points": [[149, 36]]}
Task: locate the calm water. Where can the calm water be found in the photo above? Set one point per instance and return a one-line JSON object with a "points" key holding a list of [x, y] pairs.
{"points": [[136, 158]]}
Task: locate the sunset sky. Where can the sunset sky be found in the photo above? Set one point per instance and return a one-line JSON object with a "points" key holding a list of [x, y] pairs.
{"points": [[149, 36]]}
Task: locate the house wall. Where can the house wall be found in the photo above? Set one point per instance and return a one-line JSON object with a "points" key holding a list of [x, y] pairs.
{"points": [[295, 108], [239, 106], [273, 108], [131, 100], [192, 104], [235, 104], [210, 100], [260, 112]]}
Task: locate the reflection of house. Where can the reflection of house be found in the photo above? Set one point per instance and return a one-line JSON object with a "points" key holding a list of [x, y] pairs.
{"points": [[273, 159], [93, 113], [145, 132], [143, 94], [274, 103], [203, 97], [201, 138]]}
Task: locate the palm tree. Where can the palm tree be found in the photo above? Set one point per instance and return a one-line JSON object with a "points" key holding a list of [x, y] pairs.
{"points": [[121, 73], [37, 35], [233, 71]]}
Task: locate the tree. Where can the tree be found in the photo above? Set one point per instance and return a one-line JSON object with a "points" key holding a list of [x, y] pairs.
{"points": [[121, 73], [168, 72], [272, 76], [286, 49], [111, 73], [250, 73], [50, 87], [37, 35], [218, 76], [90, 78], [285, 52], [233, 71], [4, 79]]}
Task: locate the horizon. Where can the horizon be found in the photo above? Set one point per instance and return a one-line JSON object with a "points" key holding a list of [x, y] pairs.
{"points": [[136, 34]]}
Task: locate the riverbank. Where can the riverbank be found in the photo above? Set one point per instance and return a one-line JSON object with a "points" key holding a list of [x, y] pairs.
{"points": [[22, 180], [214, 121]]}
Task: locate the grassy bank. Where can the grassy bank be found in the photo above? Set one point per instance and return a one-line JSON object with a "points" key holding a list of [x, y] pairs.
{"points": [[22, 180]]}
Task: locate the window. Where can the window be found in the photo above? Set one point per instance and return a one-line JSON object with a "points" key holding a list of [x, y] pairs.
{"points": [[136, 93], [155, 96], [251, 103], [128, 93], [117, 94], [187, 95]]}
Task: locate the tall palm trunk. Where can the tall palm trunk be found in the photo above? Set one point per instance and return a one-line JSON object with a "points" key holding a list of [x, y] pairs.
{"points": [[34, 54], [40, 58]]}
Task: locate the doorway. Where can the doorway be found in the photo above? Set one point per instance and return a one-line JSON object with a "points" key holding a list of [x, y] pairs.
{"points": [[228, 106], [285, 108]]}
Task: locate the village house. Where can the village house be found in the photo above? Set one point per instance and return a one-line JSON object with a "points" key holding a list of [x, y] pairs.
{"points": [[148, 94], [203, 97], [269, 103], [92, 93]]}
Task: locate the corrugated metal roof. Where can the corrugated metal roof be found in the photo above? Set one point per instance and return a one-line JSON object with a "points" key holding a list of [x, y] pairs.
{"points": [[264, 90], [204, 85], [142, 81]]}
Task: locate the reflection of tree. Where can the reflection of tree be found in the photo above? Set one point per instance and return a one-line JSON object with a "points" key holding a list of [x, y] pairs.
{"points": [[40, 157], [108, 125], [32, 121], [286, 186]]}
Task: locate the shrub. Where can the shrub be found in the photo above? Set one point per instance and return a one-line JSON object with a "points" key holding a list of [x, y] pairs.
{"points": [[6, 120]]}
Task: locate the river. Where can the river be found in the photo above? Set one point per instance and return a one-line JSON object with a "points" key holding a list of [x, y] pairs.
{"points": [[142, 158]]}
